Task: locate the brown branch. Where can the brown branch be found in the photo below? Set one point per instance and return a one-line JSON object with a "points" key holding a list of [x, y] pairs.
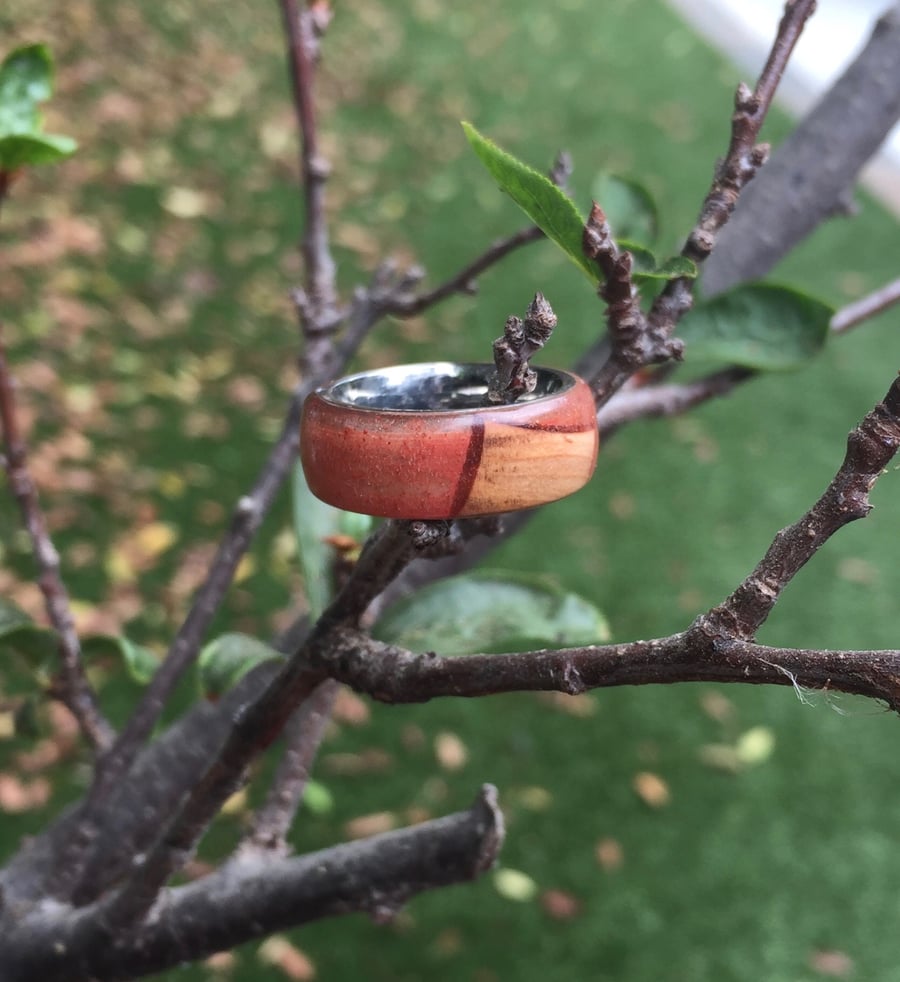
{"points": [[303, 734], [645, 341], [394, 675], [862, 310], [465, 280], [870, 448], [259, 723], [72, 688], [246, 520], [300, 27], [632, 342], [521, 340], [742, 161], [813, 171], [648, 401], [255, 896]]}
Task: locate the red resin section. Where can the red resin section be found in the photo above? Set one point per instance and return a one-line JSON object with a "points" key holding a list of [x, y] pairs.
{"points": [[423, 464]]}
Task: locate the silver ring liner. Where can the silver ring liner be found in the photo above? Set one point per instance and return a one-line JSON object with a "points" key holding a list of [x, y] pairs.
{"points": [[439, 386]]}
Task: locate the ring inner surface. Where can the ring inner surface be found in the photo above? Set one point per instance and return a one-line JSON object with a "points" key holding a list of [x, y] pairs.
{"points": [[436, 387]]}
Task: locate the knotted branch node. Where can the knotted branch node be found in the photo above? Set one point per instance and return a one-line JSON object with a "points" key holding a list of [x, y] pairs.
{"points": [[513, 376]]}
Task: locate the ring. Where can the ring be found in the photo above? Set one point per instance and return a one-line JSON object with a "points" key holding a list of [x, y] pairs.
{"points": [[424, 442]]}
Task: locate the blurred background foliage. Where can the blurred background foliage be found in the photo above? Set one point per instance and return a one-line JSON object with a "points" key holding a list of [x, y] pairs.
{"points": [[683, 833]]}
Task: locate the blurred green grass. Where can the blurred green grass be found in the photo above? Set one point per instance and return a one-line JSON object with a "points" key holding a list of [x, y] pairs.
{"points": [[155, 313]]}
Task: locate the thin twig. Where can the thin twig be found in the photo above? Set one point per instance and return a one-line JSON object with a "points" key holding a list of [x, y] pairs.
{"points": [[861, 310], [302, 737], [300, 30], [72, 688], [521, 340], [650, 401], [464, 280], [870, 448], [245, 522]]}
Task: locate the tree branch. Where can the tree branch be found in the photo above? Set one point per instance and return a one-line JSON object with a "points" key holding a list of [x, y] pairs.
{"points": [[863, 309], [72, 687], [742, 161], [816, 166], [321, 316], [649, 401], [649, 340], [302, 737], [464, 280], [870, 448], [254, 896], [394, 675]]}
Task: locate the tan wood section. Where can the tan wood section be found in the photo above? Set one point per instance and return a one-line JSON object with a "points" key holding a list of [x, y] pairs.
{"points": [[520, 473]]}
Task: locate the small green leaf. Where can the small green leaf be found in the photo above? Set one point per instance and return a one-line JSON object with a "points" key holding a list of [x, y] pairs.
{"points": [[226, 659], [26, 79], [29, 150], [541, 200], [314, 522], [648, 267], [12, 616], [629, 207], [26, 650], [317, 798], [140, 662], [760, 326], [491, 611], [27, 719]]}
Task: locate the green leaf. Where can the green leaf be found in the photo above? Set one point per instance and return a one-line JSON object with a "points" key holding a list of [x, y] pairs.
{"points": [[541, 200], [760, 326], [26, 650], [648, 267], [317, 798], [26, 79], [140, 662], [491, 611], [226, 659], [628, 205], [26, 150], [314, 522], [556, 215]]}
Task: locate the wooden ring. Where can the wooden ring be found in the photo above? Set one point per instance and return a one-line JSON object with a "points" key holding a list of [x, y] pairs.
{"points": [[423, 442]]}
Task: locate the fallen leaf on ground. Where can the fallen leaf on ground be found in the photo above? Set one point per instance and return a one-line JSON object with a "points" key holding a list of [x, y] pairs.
{"points": [[513, 884], [450, 751], [651, 789], [366, 825], [837, 964], [350, 708], [609, 854], [560, 905], [293, 962]]}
